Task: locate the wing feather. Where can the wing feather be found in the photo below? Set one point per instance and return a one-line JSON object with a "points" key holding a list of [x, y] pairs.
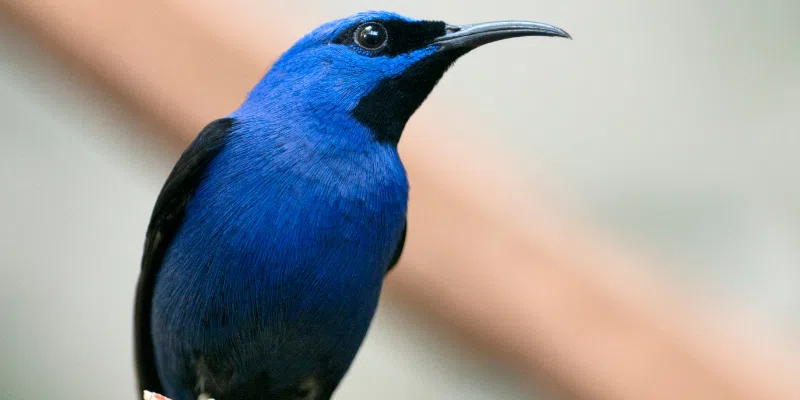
{"points": [[165, 221]]}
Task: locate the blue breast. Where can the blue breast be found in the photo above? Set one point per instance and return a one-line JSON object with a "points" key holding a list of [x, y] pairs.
{"points": [[281, 254]]}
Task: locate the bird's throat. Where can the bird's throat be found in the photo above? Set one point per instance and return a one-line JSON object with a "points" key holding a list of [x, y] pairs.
{"points": [[386, 109]]}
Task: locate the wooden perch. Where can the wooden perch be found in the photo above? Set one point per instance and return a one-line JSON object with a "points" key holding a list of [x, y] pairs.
{"points": [[480, 258]]}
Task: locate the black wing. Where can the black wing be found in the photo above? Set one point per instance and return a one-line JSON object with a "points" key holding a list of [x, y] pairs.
{"points": [[399, 250], [166, 219]]}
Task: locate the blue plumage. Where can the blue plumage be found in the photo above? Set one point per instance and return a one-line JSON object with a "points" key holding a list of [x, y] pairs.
{"points": [[268, 245]]}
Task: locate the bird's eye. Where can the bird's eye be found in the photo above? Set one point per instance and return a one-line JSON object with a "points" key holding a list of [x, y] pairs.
{"points": [[371, 36]]}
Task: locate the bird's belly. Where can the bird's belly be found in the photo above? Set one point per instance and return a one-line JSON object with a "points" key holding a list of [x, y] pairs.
{"points": [[267, 297]]}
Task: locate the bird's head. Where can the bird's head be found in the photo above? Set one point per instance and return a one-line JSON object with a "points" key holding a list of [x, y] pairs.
{"points": [[375, 68]]}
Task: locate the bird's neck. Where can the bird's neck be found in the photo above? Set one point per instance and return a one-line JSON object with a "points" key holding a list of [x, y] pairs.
{"points": [[322, 93], [310, 94], [338, 143]]}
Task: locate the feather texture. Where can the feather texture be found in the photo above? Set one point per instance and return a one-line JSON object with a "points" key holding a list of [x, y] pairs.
{"points": [[269, 243]]}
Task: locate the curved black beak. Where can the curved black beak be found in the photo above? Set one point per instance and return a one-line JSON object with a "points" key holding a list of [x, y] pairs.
{"points": [[468, 37]]}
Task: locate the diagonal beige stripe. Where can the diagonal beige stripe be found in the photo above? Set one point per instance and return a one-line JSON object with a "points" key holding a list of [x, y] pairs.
{"points": [[520, 284]]}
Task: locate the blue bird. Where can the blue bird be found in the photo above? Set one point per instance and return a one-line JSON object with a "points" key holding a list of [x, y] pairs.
{"points": [[268, 244]]}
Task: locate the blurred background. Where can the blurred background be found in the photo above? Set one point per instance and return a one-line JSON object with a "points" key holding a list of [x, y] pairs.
{"points": [[668, 127]]}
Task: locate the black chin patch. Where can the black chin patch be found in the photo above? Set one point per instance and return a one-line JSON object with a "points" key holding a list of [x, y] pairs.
{"points": [[403, 36], [386, 109]]}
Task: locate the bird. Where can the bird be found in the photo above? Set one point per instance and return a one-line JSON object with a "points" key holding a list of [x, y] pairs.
{"points": [[268, 244]]}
